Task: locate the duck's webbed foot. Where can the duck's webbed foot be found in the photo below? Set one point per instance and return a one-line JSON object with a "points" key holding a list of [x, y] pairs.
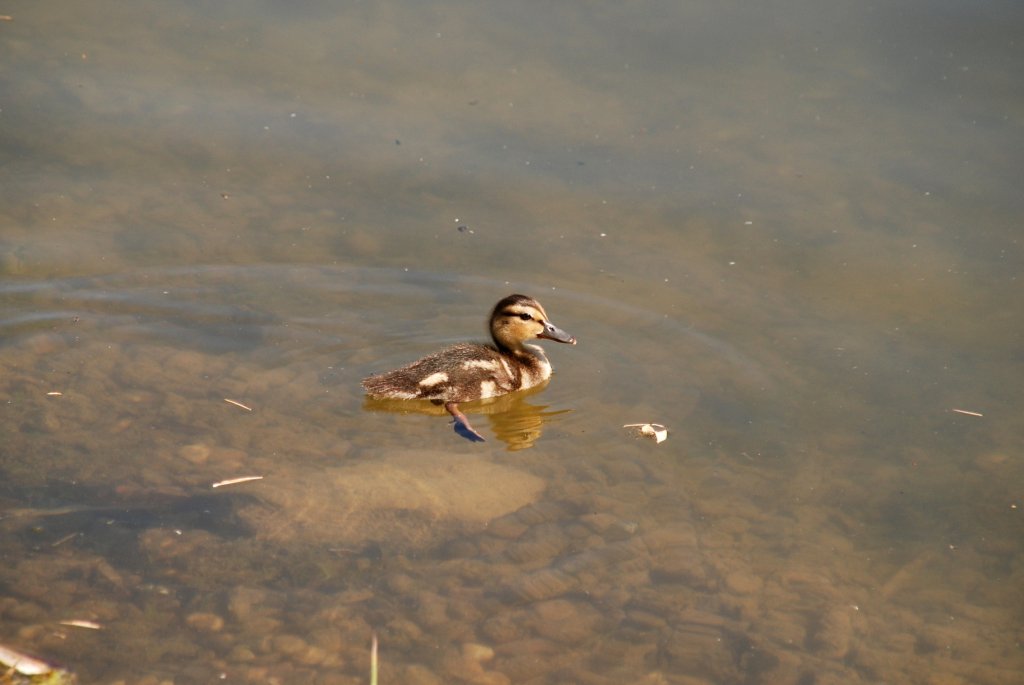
{"points": [[462, 426]]}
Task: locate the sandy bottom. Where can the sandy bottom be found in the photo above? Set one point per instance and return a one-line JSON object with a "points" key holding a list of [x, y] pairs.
{"points": [[404, 499]]}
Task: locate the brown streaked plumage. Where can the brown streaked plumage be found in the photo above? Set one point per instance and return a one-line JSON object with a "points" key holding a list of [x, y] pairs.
{"points": [[471, 371]]}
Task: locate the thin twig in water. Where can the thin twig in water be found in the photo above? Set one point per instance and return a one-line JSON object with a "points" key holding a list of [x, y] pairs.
{"points": [[969, 413], [78, 623], [373, 661], [70, 536], [233, 481]]}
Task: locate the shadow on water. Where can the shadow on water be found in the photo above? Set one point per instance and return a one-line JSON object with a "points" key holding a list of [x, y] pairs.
{"points": [[110, 521]]}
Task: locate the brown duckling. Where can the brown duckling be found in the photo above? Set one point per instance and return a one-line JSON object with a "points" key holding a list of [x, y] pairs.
{"points": [[471, 371]]}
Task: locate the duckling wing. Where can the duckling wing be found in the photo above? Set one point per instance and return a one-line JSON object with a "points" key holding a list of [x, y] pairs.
{"points": [[460, 373]]}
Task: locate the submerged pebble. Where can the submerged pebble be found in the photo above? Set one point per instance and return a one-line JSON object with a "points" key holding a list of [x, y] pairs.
{"points": [[196, 453], [833, 634], [205, 622]]}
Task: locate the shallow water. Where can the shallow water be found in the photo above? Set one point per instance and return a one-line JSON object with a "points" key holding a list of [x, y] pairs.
{"points": [[789, 233]]}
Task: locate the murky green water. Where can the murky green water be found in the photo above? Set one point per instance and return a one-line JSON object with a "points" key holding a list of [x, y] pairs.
{"points": [[788, 232]]}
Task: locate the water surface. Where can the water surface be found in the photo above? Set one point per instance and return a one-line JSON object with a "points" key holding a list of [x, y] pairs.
{"points": [[788, 232]]}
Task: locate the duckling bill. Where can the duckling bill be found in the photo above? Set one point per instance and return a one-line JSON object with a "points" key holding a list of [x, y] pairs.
{"points": [[472, 371]]}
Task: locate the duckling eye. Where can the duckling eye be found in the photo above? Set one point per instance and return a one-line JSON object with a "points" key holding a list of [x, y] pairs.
{"points": [[525, 317]]}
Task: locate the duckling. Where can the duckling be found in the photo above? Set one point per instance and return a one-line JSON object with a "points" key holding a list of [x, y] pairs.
{"points": [[471, 371]]}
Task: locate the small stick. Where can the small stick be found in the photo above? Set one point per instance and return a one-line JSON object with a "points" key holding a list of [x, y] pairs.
{"points": [[238, 404], [373, 660], [77, 623], [969, 413], [64, 539], [233, 481]]}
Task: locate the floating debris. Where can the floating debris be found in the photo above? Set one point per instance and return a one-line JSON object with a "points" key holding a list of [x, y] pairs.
{"points": [[373, 660], [233, 481], [237, 404], [69, 536], [22, 663], [78, 623], [16, 663], [650, 430], [967, 412], [57, 393]]}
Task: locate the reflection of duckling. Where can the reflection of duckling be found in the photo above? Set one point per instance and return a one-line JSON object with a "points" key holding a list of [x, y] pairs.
{"points": [[473, 371], [514, 419]]}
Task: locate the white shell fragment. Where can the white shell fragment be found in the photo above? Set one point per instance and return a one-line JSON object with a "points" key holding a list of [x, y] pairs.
{"points": [[650, 430]]}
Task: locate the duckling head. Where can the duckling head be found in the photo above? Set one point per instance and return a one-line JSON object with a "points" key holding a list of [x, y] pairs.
{"points": [[518, 318]]}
